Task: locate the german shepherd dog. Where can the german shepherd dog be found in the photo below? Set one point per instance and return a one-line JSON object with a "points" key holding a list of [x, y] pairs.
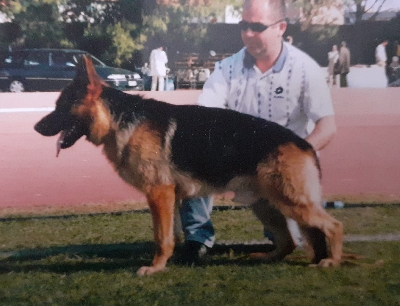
{"points": [[172, 152]]}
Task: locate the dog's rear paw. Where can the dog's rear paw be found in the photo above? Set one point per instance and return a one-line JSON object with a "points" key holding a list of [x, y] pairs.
{"points": [[148, 270]]}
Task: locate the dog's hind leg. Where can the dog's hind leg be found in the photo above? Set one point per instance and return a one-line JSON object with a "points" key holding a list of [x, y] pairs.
{"points": [[318, 227], [274, 222], [290, 181], [161, 200], [317, 242]]}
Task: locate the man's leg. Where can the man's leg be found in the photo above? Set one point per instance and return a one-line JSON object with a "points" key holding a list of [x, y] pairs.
{"points": [[343, 80], [197, 227], [154, 80], [160, 83], [196, 222]]}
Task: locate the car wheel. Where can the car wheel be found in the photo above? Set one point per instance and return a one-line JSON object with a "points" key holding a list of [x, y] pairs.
{"points": [[17, 86]]}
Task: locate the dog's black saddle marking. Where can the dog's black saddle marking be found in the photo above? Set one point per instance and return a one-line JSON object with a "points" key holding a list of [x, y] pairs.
{"points": [[212, 144]]}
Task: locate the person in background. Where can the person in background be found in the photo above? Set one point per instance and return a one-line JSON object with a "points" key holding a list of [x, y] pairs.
{"points": [[396, 48], [145, 69], [146, 76], [394, 70], [333, 66], [380, 53], [271, 79], [158, 69], [344, 64]]}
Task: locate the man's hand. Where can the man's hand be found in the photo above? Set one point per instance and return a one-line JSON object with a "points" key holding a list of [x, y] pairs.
{"points": [[325, 129]]}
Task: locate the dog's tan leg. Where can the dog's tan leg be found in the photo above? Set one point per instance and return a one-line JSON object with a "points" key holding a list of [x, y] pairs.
{"points": [[319, 221], [290, 181], [161, 200], [275, 222]]}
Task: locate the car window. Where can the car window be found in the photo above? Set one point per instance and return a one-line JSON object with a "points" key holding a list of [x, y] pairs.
{"points": [[95, 60], [15, 59], [37, 59], [62, 59]]}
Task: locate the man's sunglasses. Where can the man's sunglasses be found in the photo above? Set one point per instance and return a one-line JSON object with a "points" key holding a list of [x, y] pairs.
{"points": [[256, 26]]}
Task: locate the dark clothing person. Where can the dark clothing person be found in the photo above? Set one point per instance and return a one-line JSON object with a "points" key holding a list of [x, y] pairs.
{"points": [[344, 60]]}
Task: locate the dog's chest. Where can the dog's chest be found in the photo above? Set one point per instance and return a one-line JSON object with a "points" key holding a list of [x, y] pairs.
{"points": [[138, 157]]}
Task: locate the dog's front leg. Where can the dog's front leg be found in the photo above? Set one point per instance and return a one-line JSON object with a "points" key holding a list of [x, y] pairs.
{"points": [[161, 200]]}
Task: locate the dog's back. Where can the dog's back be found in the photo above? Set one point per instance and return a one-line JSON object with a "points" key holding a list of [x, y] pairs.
{"points": [[211, 144]]}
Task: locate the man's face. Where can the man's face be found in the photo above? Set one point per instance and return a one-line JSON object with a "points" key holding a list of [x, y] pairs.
{"points": [[265, 43]]}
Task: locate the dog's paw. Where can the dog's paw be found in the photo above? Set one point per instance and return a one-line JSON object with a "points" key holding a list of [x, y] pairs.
{"points": [[148, 270]]}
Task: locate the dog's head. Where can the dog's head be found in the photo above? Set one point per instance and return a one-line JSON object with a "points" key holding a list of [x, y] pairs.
{"points": [[79, 110]]}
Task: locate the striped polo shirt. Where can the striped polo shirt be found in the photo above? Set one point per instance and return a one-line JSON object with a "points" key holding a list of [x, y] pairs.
{"points": [[292, 93]]}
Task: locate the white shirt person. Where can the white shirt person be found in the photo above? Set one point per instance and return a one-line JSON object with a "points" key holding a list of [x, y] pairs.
{"points": [[158, 69]]}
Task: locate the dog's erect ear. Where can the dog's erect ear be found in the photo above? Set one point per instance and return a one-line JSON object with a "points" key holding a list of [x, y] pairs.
{"points": [[85, 71], [86, 75]]}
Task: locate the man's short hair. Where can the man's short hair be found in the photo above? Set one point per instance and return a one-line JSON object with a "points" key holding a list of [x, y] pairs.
{"points": [[279, 7]]}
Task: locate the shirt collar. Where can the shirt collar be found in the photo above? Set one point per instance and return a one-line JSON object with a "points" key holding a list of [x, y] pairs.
{"points": [[249, 61]]}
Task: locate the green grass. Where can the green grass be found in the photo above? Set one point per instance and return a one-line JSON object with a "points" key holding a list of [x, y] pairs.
{"points": [[92, 260]]}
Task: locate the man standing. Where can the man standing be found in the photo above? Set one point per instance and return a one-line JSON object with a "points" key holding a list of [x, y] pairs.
{"points": [[271, 79], [380, 53], [158, 70], [333, 59], [344, 62]]}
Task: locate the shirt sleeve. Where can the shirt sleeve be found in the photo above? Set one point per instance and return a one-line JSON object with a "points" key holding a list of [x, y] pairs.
{"points": [[317, 97], [215, 90]]}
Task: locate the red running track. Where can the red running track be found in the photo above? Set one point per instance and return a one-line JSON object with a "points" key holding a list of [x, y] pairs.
{"points": [[362, 164]]}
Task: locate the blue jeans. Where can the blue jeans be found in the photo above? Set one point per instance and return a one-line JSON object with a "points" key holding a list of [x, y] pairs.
{"points": [[196, 222], [197, 226]]}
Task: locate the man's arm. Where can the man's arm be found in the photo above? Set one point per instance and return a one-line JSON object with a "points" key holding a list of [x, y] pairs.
{"points": [[325, 129], [215, 90]]}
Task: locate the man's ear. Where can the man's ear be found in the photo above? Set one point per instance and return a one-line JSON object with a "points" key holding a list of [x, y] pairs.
{"points": [[282, 27]]}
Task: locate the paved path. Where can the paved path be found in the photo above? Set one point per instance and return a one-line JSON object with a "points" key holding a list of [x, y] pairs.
{"points": [[361, 164]]}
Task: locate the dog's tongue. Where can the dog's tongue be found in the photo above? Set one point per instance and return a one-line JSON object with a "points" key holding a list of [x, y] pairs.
{"points": [[59, 142]]}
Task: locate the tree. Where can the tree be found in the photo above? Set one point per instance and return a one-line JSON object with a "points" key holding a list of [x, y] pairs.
{"points": [[311, 9], [102, 28], [122, 44], [39, 23], [359, 8]]}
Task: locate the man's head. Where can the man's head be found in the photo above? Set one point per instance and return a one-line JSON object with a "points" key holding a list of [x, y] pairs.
{"points": [[261, 41]]}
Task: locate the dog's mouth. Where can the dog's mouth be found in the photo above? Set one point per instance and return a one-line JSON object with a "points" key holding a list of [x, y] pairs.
{"points": [[71, 129], [69, 136]]}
